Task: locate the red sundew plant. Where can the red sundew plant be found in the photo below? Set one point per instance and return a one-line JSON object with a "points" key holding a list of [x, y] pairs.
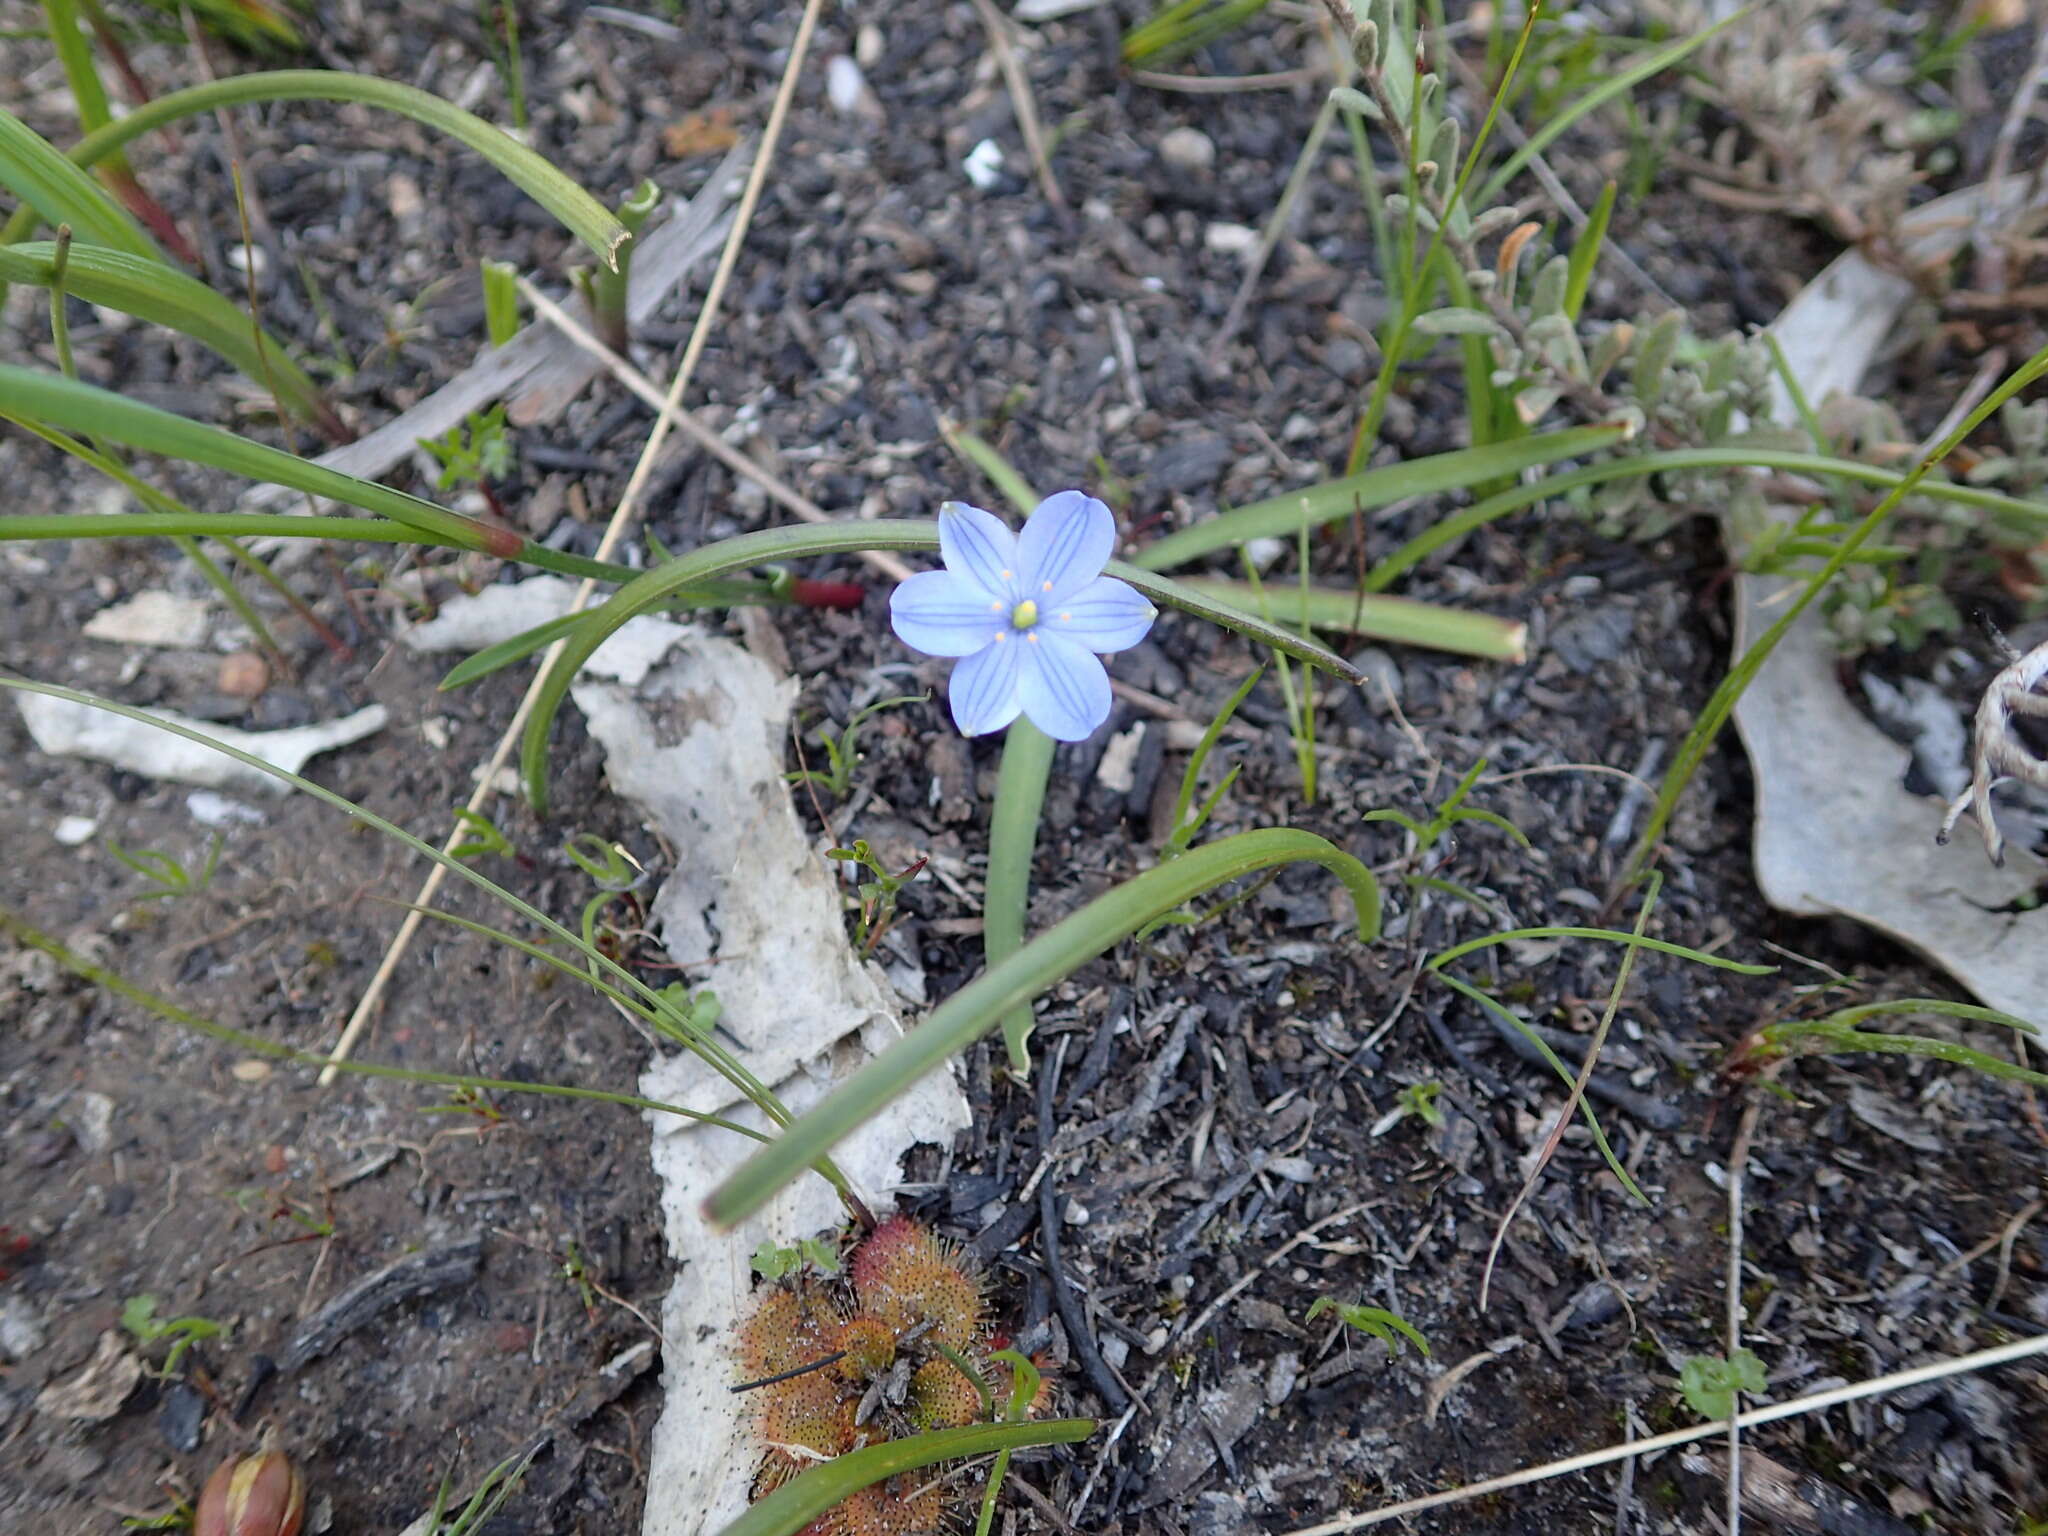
{"points": [[903, 1345]]}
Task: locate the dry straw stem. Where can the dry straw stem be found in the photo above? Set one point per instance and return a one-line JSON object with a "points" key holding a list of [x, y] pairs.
{"points": [[1021, 100], [1983, 1359], [614, 531], [695, 430]]}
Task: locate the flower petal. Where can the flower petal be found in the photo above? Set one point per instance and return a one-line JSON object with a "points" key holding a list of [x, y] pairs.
{"points": [[979, 546], [1063, 689], [1063, 547], [1105, 615], [943, 614], [983, 692]]}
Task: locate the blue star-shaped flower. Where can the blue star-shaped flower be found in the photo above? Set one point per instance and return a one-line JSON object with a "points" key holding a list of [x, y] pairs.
{"points": [[1026, 613]]}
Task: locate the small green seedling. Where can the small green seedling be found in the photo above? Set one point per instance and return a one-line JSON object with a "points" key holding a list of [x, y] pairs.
{"points": [[1454, 810], [138, 1316], [1186, 826], [1419, 1100], [1710, 1383], [486, 837], [772, 1262], [877, 896], [1389, 1328], [496, 1486], [576, 1271], [501, 301], [178, 1517], [843, 750], [170, 877], [476, 452]]}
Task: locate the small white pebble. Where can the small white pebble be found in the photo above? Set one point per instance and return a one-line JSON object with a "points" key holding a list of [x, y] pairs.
{"points": [[1231, 239], [251, 259], [984, 164], [1262, 552], [1188, 150], [845, 85], [213, 810], [73, 830], [1076, 1214]]}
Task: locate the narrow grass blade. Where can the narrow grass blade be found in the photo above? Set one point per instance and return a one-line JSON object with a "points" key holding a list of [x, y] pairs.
{"points": [[1058, 952], [263, 1045], [1444, 957], [1401, 620], [150, 290], [1616, 85], [1283, 516], [54, 189], [1586, 253], [1463, 521], [579, 212], [811, 1493], [105, 415]]}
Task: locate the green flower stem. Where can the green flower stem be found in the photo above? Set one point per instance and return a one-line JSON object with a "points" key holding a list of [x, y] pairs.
{"points": [[655, 587], [809, 1494], [982, 1003], [577, 210], [1480, 513], [1402, 620], [1721, 704], [1012, 840]]}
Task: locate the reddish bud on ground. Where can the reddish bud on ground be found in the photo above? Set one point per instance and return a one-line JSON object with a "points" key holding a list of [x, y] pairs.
{"points": [[254, 1496]]}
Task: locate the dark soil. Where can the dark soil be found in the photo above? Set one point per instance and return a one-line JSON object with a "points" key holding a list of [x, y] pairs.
{"points": [[1205, 1098]]}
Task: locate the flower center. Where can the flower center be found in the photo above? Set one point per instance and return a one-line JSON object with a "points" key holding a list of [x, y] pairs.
{"points": [[1024, 615]]}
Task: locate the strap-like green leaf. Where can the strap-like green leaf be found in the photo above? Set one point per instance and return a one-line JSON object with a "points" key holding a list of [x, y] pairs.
{"points": [[1285, 516], [581, 213], [1058, 952], [152, 291], [54, 189]]}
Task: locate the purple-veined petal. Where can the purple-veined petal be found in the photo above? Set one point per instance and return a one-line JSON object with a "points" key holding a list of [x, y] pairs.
{"points": [[942, 614], [1105, 615], [1063, 689], [978, 546], [1063, 547], [983, 691]]}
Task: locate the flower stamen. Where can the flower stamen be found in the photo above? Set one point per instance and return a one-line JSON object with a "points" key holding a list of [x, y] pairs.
{"points": [[1024, 615]]}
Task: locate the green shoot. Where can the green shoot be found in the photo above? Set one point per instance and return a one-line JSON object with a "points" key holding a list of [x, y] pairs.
{"points": [[1419, 1100], [1389, 1328], [842, 750], [1179, 28], [492, 1491], [1448, 815], [514, 67], [170, 878], [877, 897], [1301, 718], [1024, 1380], [604, 290], [772, 1262], [138, 1316], [1710, 1383], [1185, 826], [474, 452], [486, 838], [1838, 1034], [501, 301]]}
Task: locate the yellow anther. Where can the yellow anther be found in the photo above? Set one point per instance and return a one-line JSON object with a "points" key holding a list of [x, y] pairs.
{"points": [[1046, 588], [1024, 615]]}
